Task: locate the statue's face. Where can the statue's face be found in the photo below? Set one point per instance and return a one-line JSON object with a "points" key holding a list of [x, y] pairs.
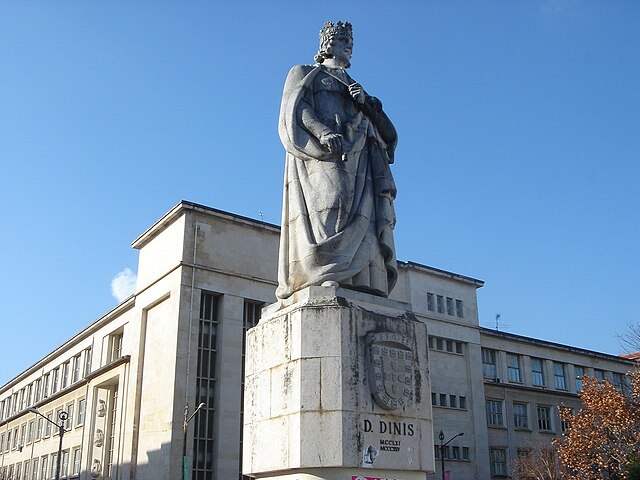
{"points": [[341, 49]]}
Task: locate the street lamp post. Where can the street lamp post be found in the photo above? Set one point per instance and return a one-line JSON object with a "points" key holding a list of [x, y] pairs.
{"points": [[442, 445], [62, 416], [185, 427]]}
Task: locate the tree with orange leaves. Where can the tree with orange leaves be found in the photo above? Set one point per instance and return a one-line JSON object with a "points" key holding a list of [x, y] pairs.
{"points": [[603, 438]]}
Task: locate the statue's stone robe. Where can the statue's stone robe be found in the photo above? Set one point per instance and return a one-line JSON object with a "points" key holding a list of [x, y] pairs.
{"points": [[337, 214]]}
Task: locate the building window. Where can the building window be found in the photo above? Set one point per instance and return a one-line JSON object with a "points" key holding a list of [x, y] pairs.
{"points": [[559, 375], [440, 303], [37, 395], [513, 365], [489, 363], [87, 362], [112, 466], [462, 402], [599, 374], [47, 425], [434, 398], [39, 427], [82, 405], [70, 418], [30, 431], [455, 453], [28, 395], [66, 374], [54, 463], [564, 424], [443, 399], [449, 306], [55, 378], [453, 401], [34, 469], [459, 310], [430, 302], [45, 385], [114, 351], [537, 372], [439, 344], [65, 464], [76, 461], [203, 437], [77, 365], [465, 453], [459, 347], [544, 418], [57, 418], [44, 463], [520, 415], [494, 413], [618, 381], [498, 458], [579, 374]]}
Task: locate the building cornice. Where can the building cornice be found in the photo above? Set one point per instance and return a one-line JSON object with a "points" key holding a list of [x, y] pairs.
{"points": [[441, 273], [79, 337], [557, 346], [184, 206]]}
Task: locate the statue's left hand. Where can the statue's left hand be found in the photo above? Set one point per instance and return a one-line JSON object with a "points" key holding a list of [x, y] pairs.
{"points": [[357, 92]]}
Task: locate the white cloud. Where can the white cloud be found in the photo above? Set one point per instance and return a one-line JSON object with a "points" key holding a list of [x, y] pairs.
{"points": [[123, 284]]}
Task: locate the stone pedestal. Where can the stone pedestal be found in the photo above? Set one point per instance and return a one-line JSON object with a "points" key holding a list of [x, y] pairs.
{"points": [[337, 387]]}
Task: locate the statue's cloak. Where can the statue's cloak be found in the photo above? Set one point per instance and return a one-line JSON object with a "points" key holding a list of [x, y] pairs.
{"points": [[337, 212]]}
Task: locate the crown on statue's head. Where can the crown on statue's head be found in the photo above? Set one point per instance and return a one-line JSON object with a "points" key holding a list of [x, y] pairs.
{"points": [[338, 29]]}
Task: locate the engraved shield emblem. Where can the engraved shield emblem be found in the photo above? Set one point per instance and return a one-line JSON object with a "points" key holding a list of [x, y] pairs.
{"points": [[390, 362]]}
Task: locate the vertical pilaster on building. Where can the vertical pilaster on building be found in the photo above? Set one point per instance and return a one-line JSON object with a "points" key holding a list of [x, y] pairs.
{"points": [[337, 386]]}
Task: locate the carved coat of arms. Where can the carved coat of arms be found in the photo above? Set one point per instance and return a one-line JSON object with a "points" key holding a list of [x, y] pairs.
{"points": [[390, 362]]}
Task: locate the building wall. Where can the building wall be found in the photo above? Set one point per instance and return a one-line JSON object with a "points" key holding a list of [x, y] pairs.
{"points": [[146, 362]]}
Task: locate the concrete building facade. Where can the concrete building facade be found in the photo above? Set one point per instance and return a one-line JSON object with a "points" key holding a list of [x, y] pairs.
{"points": [[203, 277]]}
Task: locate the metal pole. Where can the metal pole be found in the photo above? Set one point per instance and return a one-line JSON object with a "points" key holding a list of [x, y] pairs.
{"points": [[185, 427], [59, 464], [184, 443], [441, 437]]}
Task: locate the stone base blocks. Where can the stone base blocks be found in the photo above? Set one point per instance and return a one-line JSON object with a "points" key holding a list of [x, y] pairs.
{"points": [[337, 387]]}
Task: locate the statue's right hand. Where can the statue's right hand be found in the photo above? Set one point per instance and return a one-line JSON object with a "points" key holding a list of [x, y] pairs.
{"points": [[332, 142]]}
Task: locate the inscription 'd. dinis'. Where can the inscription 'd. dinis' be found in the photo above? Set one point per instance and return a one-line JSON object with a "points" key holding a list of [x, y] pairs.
{"points": [[390, 428]]}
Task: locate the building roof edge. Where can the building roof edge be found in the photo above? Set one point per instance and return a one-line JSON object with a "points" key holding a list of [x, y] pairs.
{"points": [[560, 346]]}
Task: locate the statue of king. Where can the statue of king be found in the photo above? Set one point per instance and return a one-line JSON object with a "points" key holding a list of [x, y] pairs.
{"points": [[337, 213]]}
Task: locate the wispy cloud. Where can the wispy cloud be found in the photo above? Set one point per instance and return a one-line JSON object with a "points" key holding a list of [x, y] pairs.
{"points": [[123, 285]]}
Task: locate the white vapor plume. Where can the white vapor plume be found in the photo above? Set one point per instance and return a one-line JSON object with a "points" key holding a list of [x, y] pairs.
{"points": [[123, 284]]}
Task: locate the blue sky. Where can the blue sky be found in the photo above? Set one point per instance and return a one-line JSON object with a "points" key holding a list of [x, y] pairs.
{"points": [[517, 163]]}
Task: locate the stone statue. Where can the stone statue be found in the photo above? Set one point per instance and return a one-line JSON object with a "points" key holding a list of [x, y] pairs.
{"points": [[337, 213]]}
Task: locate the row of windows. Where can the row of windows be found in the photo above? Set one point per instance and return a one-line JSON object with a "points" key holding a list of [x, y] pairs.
{"points": [[37, 429], [448, 400], [498, 460], [538, 375], [452, 452], [44, 468], [68, 373], [441, 304], [520, 412], [445, 345]]}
